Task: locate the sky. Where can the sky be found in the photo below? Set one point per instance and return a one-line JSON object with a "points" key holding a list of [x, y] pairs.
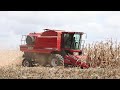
{"points": [[99, 25]]}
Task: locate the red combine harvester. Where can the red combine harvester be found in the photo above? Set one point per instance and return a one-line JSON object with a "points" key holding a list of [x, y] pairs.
{"points": [[54, 48]]}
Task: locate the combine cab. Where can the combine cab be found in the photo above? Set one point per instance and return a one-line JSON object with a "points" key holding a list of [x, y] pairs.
{"points": [[53, 48]]}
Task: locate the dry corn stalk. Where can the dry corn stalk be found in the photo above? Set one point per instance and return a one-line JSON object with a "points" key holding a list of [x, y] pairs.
{"points": [[104, 54]]}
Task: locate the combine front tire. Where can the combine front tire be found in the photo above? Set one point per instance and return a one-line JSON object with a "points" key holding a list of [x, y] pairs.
{"points": [[55, 60], [27, 63]]}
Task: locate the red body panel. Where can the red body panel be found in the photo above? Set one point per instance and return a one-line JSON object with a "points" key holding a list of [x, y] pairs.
{"points": [[45, 42], [25, 49]]}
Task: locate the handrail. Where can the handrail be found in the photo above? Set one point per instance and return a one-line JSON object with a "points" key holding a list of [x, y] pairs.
{"points": [[23, 39]]}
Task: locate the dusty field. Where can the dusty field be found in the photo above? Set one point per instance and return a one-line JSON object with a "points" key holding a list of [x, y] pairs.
{"points": [[10, 57], [17, 72], [11, 69]]}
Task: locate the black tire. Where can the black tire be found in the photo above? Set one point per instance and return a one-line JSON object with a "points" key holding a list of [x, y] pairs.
{"points": [[27, 63], [55, 60]]}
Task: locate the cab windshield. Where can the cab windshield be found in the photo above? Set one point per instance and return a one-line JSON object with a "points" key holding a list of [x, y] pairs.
{"points": [[72, 41]]}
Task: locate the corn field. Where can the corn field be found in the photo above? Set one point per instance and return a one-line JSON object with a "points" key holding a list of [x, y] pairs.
{"points": [[105, 64], [104, 54]]}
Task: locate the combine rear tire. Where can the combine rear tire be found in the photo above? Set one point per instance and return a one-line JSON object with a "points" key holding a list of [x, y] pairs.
{"points": [[27, 63]]}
